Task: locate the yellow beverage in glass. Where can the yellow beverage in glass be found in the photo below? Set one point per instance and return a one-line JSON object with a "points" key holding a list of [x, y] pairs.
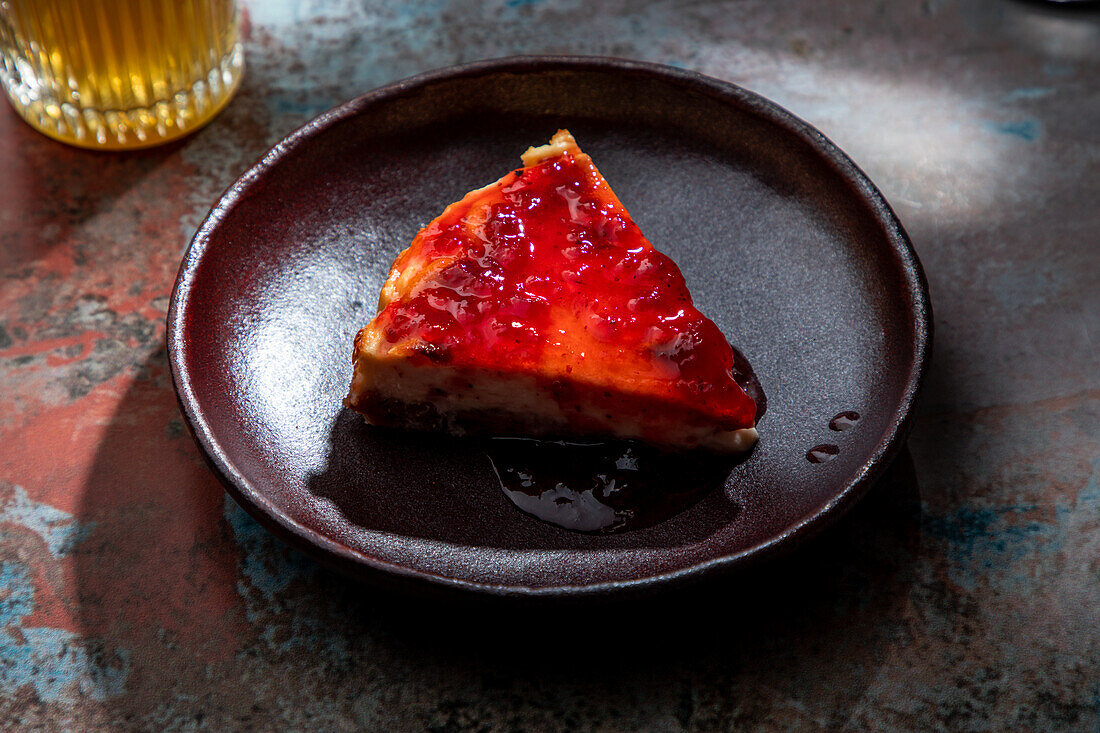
{"points": [[119, 74]]}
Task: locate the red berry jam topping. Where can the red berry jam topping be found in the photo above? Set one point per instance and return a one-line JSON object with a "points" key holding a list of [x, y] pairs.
{"points": [[547, 271]]}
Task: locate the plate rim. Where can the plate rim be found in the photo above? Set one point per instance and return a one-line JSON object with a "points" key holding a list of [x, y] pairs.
{"points": [[346, 559]]}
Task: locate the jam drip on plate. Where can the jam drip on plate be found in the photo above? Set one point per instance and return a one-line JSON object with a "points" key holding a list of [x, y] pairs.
{"points": [[614, 486], [602, 487]]}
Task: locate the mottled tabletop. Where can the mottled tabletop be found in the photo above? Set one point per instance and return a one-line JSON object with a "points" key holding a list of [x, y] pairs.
{"points": [[963, 593]]}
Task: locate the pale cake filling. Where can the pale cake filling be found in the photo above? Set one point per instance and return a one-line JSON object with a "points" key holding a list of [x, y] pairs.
{"points": [[392, 377]]}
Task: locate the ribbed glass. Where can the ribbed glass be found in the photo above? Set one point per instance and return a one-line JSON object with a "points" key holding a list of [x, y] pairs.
{"points": [[113, 74]]}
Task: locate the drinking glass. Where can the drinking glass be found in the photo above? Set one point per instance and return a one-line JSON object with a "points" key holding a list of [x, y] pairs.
{"points": [[119, 74]]}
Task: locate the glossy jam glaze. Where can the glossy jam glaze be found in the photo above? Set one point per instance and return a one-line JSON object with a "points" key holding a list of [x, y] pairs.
{"points": [[545, 271], [822, 453], [844, 421]]}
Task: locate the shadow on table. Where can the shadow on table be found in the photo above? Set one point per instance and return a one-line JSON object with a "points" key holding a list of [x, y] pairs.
{"points": [[156, 572], [209, 618], [816, 622], [57, 187]]}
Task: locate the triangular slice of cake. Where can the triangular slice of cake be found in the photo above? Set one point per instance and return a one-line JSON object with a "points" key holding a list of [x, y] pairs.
{"points": [[536, 307]]}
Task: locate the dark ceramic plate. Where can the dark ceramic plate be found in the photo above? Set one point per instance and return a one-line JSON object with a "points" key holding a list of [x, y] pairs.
{"points": [[784, 243]]}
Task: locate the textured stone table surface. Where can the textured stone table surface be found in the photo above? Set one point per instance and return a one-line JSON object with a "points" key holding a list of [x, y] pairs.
{"points": [[963, 593]]}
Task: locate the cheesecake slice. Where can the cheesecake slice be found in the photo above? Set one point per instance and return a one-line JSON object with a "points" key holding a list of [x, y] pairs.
{"points": [[535, 307]]}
